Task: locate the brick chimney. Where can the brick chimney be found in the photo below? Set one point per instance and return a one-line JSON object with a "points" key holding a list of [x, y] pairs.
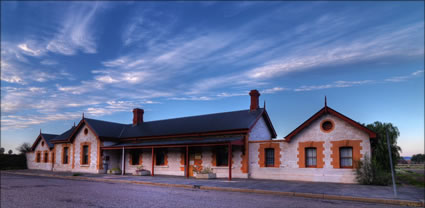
{"points": [[137, 116], [255, 96]]}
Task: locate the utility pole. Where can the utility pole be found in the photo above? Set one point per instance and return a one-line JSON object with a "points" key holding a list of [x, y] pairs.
{"points": [[391, 164]]}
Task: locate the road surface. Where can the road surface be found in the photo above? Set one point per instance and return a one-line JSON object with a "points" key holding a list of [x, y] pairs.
{"points": [[31, 191]]}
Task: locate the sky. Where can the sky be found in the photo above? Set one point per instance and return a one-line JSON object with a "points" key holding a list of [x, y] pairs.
{"points": [[174, 59]]}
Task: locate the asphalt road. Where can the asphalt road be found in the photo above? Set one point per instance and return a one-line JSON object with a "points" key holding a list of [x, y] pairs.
{"points": [[32, 191]]}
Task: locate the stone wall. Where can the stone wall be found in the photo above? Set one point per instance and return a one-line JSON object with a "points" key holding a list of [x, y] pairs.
{"points": [[260, 131], [86, 139], [41, 147], [291, 161], [175, 161], [59, 165]]}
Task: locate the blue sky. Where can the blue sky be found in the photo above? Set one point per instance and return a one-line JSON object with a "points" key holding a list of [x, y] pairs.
{"points": [[173, 59]]}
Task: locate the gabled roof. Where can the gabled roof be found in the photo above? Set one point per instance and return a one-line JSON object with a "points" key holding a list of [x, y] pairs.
{"points": [[46, 137], [64, 136], [328, 110], [218, 122]]}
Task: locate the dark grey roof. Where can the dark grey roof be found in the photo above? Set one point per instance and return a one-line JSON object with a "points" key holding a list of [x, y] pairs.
{"points": [[106, 128], [64, 135], [181, 141], [235, 120], [48, 138]]}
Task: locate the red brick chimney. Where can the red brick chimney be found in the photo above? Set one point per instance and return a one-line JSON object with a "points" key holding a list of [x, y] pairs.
{"points": [[255, 96], [137, 116]]}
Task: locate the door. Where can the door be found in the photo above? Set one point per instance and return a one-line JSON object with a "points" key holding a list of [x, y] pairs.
{"points": [[195, 161]]}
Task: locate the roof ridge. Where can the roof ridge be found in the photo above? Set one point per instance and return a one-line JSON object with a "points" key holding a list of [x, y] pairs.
{"points": [[198, 115], [105, 121], [50, 134]]}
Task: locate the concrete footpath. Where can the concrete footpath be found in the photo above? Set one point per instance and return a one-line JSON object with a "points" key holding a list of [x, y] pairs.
{"points": [[408, 196]]}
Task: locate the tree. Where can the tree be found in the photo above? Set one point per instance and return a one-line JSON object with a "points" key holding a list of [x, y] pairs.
{"points": [[380, 147], [418, 158], [24, 148], [10, 152], [1, 150]]}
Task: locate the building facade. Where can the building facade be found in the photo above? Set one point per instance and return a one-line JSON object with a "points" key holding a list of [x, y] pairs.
{"points": [[238, 144]]}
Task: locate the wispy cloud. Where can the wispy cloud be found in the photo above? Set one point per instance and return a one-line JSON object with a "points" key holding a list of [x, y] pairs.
{"points": [[273, 90], [29, 50], [311, 55], [405, 78], [49, 62], [337, 84], [77, 31], [24, 121]]}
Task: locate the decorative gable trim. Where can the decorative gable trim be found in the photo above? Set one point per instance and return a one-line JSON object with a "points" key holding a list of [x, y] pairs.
{"points": [[328, 110]]}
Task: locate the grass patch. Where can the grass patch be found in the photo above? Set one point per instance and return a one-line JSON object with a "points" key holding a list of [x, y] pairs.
{"points": [[407, 177], [411, 166]]}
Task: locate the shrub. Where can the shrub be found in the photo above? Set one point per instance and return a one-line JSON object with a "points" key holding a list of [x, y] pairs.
{"points": [[200, 170], [77, 174], [369, 172], [13, 162]]}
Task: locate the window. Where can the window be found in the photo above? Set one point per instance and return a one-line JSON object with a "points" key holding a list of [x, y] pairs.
{"points": [[346, 157], [46, 157], [86, 131], [269, 157], [85, 155], [38, 157], [310, 157], [221, 156], [42, 143], [160, 157], [135, 157], [65, 155], [327, 126]]}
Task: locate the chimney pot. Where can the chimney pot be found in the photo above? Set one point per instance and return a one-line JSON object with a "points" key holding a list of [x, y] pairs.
{"points": [[138, 116], [255, 96]]}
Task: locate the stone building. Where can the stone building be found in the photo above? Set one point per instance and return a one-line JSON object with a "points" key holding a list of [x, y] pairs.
{"points": [[238, 144]]}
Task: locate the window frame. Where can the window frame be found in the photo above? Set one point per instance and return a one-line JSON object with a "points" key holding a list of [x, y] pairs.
{"points": [[85, 155], [38, 157], [160, 152], [135, 154], [65, 155], [307, 157], [340, 157], [46, 157], [53, 157], [222, 156], [266, 154]]}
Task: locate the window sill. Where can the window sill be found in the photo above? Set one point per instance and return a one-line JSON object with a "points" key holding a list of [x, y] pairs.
{"points": [[161, 166], [84, 166], [221, 167]]}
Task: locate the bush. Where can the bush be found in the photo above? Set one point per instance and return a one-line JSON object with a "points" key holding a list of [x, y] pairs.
{"points": [[369, 172], [8, 162]]}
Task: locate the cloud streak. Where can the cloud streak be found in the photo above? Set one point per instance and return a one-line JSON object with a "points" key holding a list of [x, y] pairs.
{"points": [[76, 32]]}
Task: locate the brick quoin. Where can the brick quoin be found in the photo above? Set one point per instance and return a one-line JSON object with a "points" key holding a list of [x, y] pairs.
{"points": [[319, 152], [81, 153], [262, 156], [355, 144], [182, 159]]}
